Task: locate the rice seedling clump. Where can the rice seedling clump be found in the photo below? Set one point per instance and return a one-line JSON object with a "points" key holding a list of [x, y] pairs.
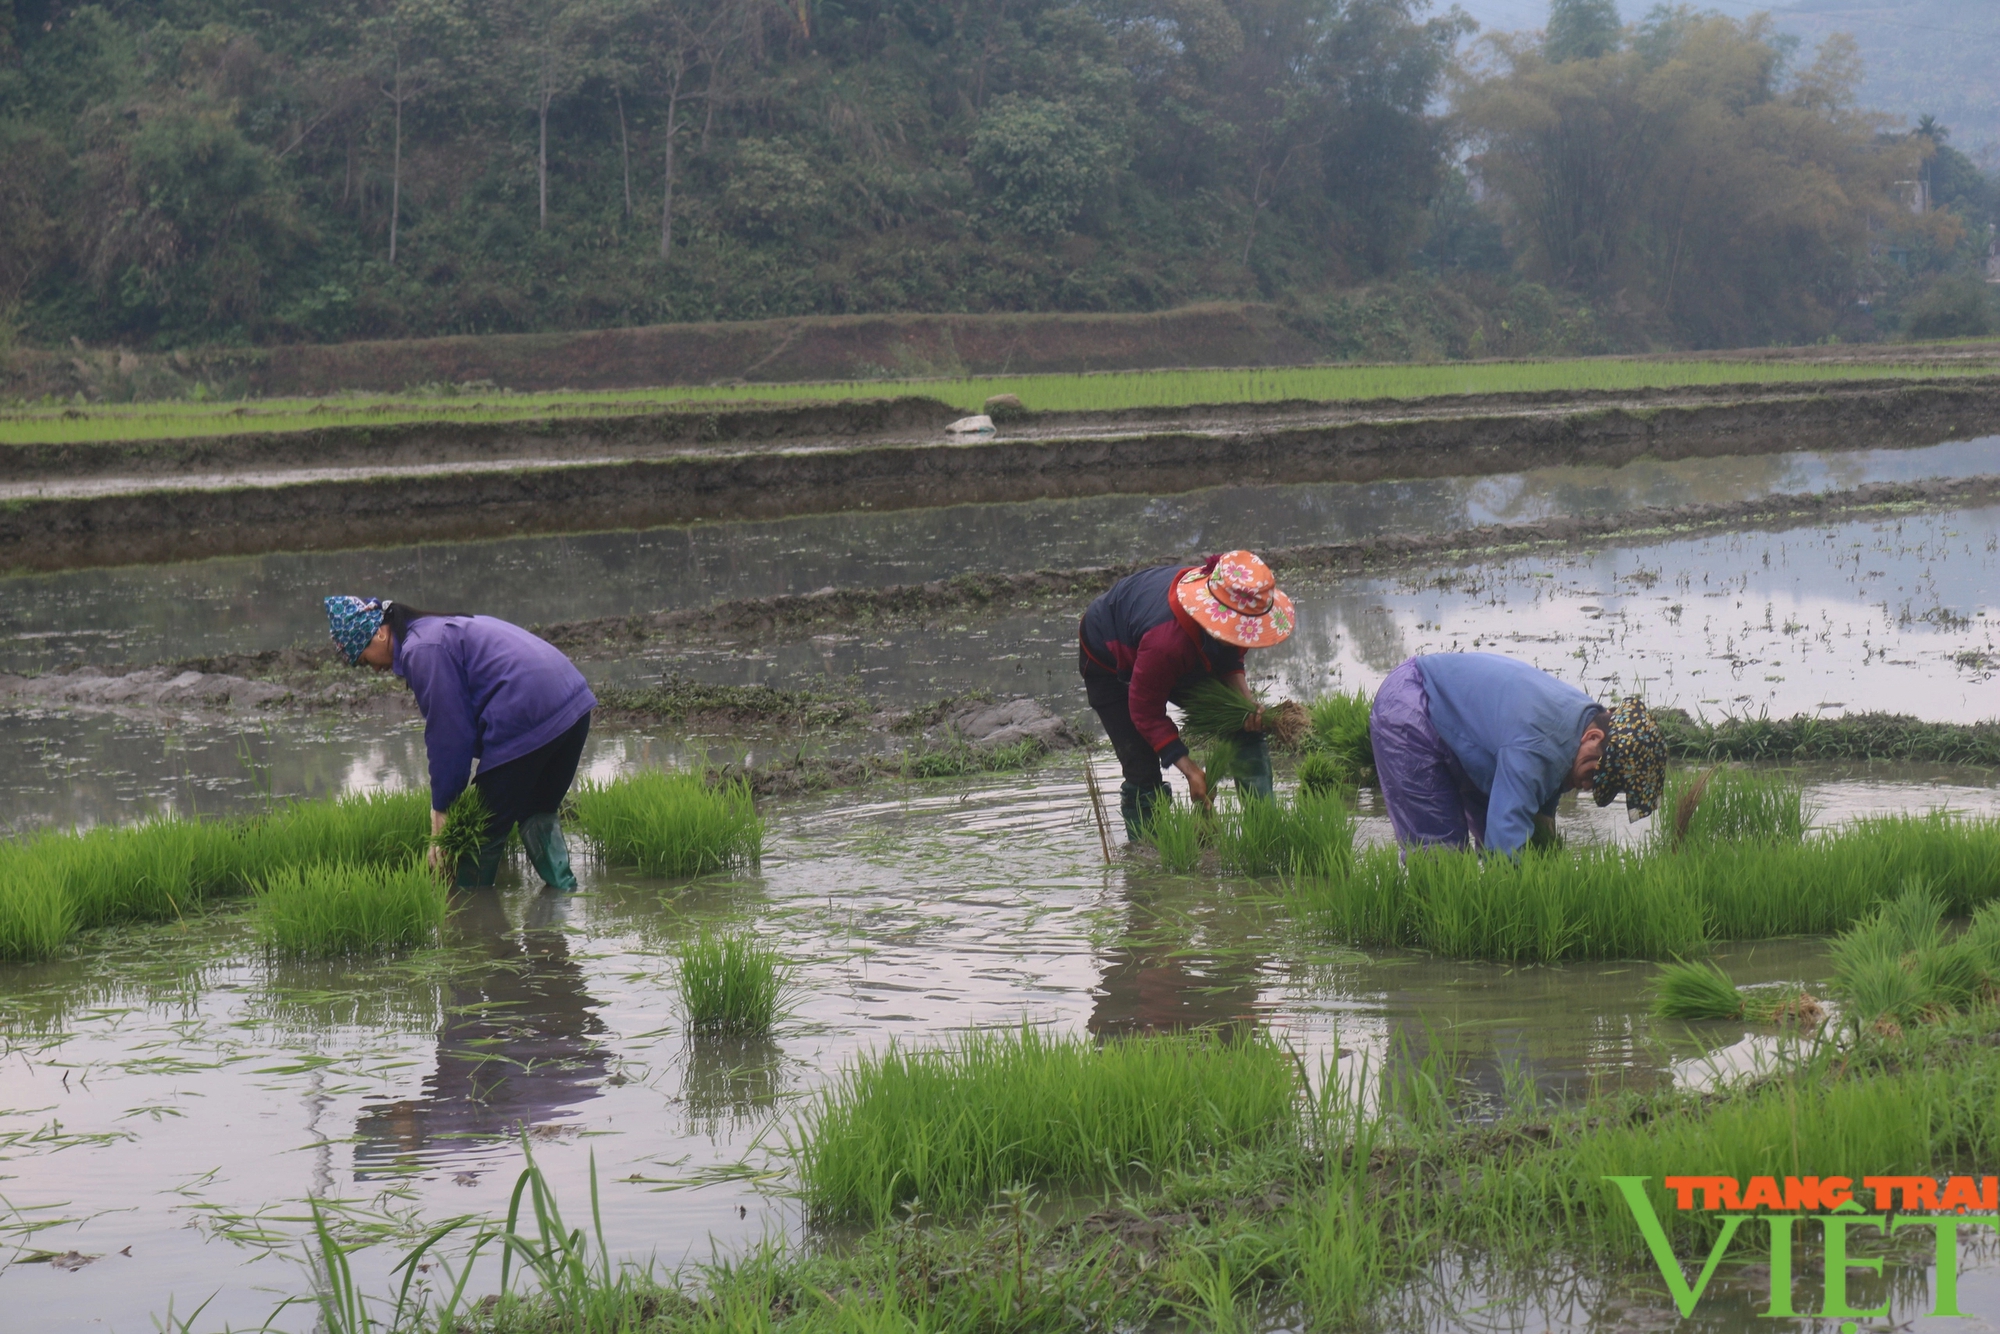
{"points": [[952, 1126], [1734, 805], [326, 909], [1340, 733], [670, 824], [1647, 902], [1214, 711], [53, 885], [731, 985]]}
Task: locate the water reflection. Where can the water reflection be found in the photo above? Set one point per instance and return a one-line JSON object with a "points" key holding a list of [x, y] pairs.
{"points": [[1160, 978], [519, 1048], [238, 604]]}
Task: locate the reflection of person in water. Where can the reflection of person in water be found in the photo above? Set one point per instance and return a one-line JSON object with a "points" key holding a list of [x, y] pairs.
{"points": [[1152, 984], [517, 1047]]}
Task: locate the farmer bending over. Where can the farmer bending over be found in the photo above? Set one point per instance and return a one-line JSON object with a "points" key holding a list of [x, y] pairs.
{"points": [[1478, 745], [1158, 633], [488, 691]]}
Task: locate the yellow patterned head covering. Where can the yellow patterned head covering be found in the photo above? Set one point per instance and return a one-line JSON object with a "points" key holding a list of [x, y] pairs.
{"points": [[1634, 762]]}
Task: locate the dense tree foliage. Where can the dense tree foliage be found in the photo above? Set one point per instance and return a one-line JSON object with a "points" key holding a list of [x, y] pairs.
{"points": [[182, 170], [1699, 190]]}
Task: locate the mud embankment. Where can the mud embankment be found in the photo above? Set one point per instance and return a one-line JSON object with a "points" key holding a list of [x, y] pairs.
{"points": [[825, 347], [146, 526], [444, 443], [536, 442]]}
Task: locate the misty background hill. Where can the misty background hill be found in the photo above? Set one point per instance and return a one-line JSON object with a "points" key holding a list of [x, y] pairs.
{"points": [[1940, 57]]}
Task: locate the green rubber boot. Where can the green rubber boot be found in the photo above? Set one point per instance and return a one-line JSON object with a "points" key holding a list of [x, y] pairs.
{"points": [[482, 868], [1136, 804], [542, 836], [1253, 765]]}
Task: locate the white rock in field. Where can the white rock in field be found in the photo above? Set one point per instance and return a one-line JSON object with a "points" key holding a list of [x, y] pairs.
{"points": [[980, 425]]}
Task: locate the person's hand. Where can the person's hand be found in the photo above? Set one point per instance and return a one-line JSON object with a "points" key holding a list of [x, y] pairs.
{"points": [[1255, 722], [1197, 781], [437, 852]]}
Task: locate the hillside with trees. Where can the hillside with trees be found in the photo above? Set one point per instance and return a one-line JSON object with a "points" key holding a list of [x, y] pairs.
{"points": [[199, 171]]}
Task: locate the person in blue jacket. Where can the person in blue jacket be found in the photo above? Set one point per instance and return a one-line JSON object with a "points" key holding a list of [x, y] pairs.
{"points": [[488, 691], [1478, 748]]}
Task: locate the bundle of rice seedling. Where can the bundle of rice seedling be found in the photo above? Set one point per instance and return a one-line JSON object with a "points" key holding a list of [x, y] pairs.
{"points": [[1340, 731], [464, 828], [731, 984], [1695, 991], [1214, 712]]}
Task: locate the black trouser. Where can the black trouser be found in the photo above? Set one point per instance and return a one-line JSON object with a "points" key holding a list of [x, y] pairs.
{"points": [[516, 792], [1111, 699], [535, 783]]}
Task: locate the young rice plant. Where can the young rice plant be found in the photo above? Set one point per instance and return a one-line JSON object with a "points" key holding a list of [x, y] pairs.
{"points": [[670, 824]]}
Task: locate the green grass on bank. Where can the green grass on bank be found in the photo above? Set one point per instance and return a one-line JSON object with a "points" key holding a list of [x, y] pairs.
{"points": [[1103, 391]]}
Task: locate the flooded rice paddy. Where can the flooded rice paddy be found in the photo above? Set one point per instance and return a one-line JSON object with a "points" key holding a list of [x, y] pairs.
{"points": [[173, 1102], [242, 604]]}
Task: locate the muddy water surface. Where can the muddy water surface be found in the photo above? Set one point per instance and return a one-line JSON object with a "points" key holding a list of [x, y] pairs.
{"points": [[174, 1102], [151, 613], [1891, 613]]}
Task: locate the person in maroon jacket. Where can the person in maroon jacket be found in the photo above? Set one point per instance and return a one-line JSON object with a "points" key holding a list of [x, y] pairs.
{"points": [[1156, 634]]}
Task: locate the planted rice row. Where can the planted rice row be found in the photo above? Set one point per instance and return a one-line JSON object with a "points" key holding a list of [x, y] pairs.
{"points": [[332, 877], [1105, 391], [1650, 902]]}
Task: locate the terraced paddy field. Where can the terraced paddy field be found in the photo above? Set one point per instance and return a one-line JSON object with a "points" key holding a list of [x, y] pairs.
{"points": [[1413, 1133], [72, 423]]}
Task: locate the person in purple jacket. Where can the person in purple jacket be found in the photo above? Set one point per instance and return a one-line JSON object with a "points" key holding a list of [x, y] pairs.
{"points": [[488, 691]]}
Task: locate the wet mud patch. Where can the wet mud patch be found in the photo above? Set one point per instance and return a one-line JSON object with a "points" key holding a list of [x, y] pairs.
{"points": [[791, 616]]}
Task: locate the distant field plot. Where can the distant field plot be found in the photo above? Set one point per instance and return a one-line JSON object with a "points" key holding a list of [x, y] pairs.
{"points": [[1110, 391]]}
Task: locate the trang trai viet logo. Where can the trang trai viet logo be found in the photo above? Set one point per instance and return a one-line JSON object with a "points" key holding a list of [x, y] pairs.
{"points": [[1899, 1203]]}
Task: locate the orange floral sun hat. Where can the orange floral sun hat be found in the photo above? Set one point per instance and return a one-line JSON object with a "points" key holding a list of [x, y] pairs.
{"points": [[1237, 600]]}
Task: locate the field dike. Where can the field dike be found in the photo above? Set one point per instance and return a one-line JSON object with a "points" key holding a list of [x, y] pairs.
{"points": [[824, 347], [111, 526]]}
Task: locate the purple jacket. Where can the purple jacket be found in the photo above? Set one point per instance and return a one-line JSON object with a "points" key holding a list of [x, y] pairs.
{"points": [[488, 690]]}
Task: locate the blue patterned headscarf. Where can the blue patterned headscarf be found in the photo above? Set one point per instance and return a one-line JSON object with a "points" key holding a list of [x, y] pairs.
{"points": [[353, 622]]}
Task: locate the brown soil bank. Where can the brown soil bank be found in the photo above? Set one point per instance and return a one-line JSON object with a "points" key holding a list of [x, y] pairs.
{"points": [[170, 524], [404, 446], [826, 347]]}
